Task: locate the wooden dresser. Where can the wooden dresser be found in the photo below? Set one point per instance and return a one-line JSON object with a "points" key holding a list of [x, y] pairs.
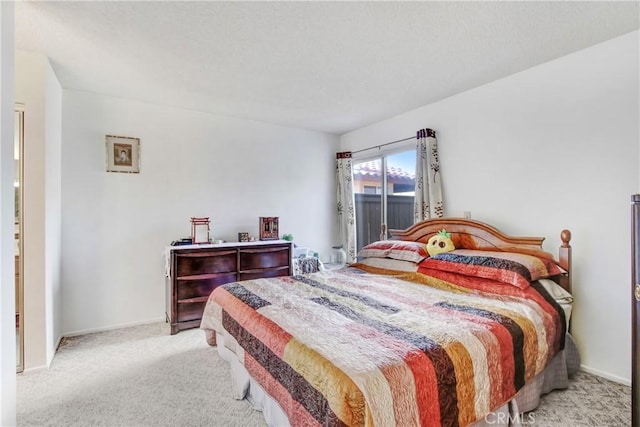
{"points": [[196, 270]]}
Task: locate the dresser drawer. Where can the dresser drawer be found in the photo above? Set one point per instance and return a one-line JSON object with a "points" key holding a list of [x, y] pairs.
{"points": [[191, 264], [270, 272], [251, 259], [190, 310], [202, 287]]}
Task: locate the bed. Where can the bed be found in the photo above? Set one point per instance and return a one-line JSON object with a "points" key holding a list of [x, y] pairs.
{"points": [[401, 338]]}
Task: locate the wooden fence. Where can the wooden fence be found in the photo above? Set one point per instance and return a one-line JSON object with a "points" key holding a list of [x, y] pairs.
{"points": [[368, 215]]}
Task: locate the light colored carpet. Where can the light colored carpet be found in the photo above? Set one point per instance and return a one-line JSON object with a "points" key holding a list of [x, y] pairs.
{"points": [[142, 376], [589, 401], [139, 376]]}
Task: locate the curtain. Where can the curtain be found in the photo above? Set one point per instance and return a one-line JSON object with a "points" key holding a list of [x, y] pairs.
{"points": [[428, 192], [346, 205]]}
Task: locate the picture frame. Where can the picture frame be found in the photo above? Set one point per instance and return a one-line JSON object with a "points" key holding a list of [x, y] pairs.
{"points": [[269, 228], [243, 236], [123, 154], [200, 230]]}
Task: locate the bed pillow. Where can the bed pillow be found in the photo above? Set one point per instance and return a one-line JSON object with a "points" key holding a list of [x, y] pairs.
{"points": [[562, 297], [389, 264], [508, 267], [395, 249]]}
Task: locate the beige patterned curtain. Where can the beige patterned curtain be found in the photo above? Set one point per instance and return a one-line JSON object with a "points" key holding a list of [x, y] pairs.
{"points": [[346, 205], [428, 193]]}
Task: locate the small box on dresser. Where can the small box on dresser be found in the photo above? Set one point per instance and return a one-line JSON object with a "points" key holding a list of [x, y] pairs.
{"points": [[196, 270]]}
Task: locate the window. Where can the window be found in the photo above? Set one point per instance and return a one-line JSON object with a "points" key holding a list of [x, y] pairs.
{"points": [[383, 198], [371, 189]]}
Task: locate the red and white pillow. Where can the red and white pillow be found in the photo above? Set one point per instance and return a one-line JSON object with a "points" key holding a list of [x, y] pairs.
{"points": [[395, 249], [507, 267]]}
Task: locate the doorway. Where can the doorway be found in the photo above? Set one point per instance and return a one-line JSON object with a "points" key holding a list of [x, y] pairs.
{"points": [[383, 189], [635, 309], [18, 150]]}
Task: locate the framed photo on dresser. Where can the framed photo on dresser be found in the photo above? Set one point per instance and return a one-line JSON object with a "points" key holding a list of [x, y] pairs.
{"points": [[268, 227]]}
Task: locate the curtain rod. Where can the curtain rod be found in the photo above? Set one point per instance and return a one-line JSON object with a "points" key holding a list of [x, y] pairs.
{"points": [[382, 145]]}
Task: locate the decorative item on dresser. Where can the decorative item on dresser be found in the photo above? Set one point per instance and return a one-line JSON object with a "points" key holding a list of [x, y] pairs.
{"points": [[195, 270], [268, 228], [200, 230]]}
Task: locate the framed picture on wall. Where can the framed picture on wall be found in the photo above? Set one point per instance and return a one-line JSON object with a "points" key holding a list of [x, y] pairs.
{"points": [[123, 154]]}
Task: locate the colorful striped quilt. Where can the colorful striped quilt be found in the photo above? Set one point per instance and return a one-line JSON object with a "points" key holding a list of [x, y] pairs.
{"points": [[361, 348]]}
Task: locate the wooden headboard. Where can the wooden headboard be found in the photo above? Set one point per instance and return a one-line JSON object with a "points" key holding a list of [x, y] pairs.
{"points": [[471, 234]]}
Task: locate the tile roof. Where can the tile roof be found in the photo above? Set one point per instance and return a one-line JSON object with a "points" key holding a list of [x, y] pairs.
{"points": [[372, 169]]}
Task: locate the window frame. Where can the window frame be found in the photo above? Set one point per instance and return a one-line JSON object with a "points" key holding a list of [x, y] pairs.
{"points": [[382, 154]]}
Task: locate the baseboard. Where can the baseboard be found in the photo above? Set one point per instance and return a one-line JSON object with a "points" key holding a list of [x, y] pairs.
{"points": [[55, 350], [28, 371], [111, 328], [48, 362], [58, 343], [83, 332], [606, 375]]}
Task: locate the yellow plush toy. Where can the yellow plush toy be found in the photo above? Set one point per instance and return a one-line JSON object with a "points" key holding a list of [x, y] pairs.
{"points": [[440, 243]]}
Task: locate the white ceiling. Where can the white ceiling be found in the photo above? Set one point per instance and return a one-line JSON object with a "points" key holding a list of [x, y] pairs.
{"points": [[327, 66]]}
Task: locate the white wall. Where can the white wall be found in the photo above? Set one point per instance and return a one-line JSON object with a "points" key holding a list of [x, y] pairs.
{"points": [[7, 281], [553, 147], [38, 89], [115, 226], [53, 209]]}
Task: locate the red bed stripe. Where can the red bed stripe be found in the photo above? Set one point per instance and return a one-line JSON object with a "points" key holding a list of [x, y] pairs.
{"points": [[260, 327]]}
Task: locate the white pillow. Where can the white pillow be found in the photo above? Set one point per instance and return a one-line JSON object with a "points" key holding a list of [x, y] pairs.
{"points": [[562, 297], [390, 264]]}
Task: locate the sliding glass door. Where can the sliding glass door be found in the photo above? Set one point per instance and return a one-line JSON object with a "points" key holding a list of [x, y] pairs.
{"points": [[383, 190]]}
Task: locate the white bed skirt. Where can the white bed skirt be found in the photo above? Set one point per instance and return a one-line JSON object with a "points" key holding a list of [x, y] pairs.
{"points": [[555, 376]]}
